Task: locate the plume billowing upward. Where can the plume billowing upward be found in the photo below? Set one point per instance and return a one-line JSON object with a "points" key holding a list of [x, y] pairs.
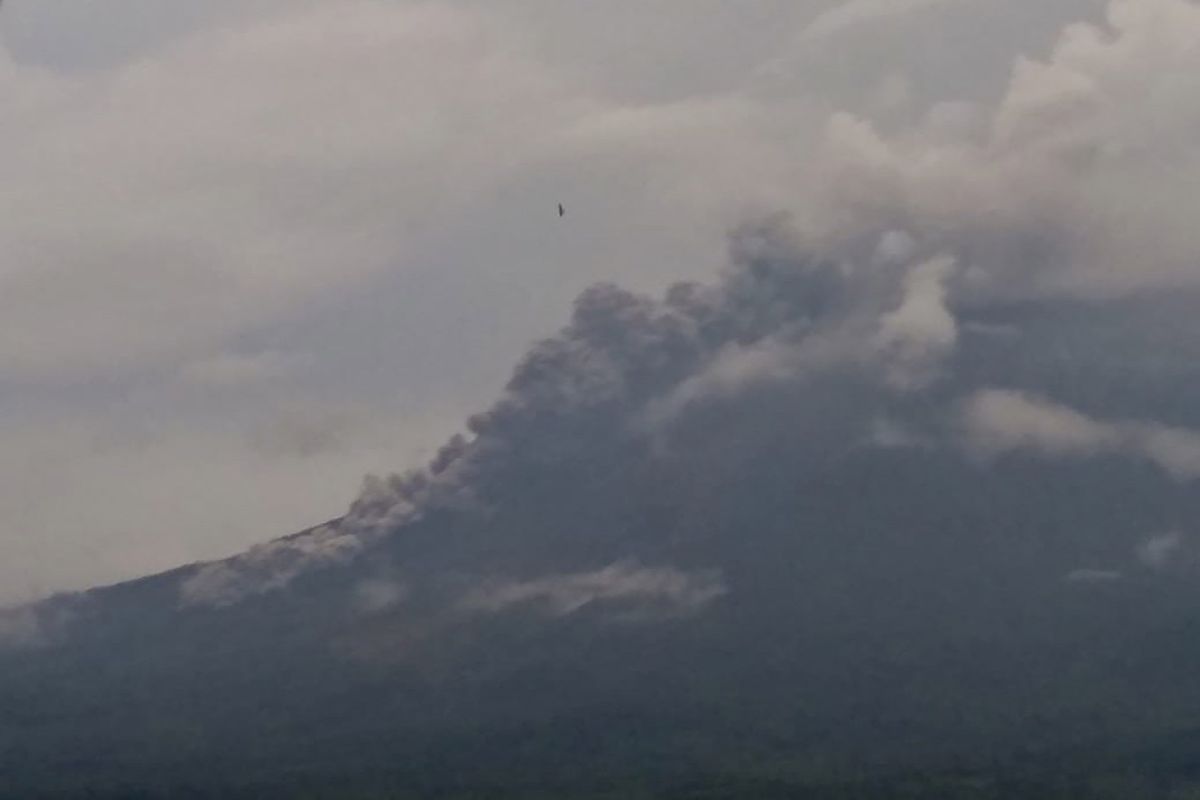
{"points": [[911, 479]]}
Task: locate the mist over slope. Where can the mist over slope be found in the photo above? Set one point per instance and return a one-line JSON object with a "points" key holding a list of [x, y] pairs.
{"points": [[911, 482]]}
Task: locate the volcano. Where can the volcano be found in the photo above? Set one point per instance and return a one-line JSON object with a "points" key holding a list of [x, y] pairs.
{"points": [[811, 528]]}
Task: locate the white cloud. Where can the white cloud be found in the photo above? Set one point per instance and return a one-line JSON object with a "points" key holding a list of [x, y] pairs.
{"points": [[1076, 180], [296, 430], [29, 626], [921, 331], [378, 594], [887, 433], [1176, 451], [624, 585], [1089, 575], [267, 567], [851, 14], [237, 369], [268, 164], [254, 170], [19, 627], [731, 371], [1158, 552], [999, 421]]}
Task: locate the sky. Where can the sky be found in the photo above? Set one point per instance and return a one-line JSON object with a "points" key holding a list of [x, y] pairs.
{"points": [[254, 250]]}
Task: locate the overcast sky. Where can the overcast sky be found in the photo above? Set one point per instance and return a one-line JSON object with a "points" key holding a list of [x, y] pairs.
{"points": [[255, 249]]}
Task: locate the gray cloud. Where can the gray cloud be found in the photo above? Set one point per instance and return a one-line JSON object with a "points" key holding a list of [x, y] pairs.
{"points": [[626, 366]]}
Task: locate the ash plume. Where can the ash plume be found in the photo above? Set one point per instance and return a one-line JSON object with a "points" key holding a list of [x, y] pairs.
{"points": [[911, 245]]}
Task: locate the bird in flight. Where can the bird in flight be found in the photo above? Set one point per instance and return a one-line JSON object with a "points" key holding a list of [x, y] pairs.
{"points": [[561, 210]]}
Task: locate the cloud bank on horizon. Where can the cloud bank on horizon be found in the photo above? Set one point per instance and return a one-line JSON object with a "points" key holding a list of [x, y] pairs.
{"points": [[222, 257]]}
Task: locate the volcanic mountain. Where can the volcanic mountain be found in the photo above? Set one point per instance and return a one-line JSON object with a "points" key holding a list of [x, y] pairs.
{"points": [[831, 518]]}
